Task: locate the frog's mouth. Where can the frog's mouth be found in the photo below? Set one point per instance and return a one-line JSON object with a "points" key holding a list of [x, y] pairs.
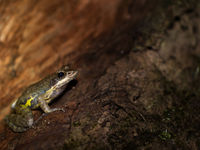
{"points": [[70, 75]]}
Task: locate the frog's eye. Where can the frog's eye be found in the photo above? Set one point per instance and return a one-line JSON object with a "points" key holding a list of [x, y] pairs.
{"points": [[60, 74]]}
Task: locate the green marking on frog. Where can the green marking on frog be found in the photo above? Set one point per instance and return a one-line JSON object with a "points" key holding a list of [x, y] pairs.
{"points": [[38, 95]]}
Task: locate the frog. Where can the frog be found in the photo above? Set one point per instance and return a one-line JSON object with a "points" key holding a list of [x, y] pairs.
{"points": [[38, 95]]}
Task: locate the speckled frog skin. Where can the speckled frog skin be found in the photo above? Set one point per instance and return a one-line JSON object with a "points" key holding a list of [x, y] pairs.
{"points": [[38, 95]]}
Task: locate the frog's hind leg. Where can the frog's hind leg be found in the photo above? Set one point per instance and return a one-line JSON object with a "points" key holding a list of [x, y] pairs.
{"points": [[12, 120], [21, 120]]}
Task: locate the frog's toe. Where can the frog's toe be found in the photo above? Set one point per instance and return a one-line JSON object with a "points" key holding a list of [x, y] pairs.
{"points": [[58, 109], [33, 126], [36, 121], [62, 109]]}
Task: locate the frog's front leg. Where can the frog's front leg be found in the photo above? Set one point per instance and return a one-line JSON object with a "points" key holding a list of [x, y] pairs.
{"points": [[21, 120], [45, 107]]}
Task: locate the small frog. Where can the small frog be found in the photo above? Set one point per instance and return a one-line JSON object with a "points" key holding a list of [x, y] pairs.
{"points": [[38, 95]]}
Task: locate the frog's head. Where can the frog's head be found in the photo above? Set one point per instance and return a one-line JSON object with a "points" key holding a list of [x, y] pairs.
{"points": [[62, 77]]}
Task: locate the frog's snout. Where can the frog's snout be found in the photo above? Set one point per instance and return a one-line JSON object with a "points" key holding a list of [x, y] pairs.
{"points": [[75, 73], [72, 74]]}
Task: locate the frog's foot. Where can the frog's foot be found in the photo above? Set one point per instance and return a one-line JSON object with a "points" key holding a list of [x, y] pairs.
{"points": [[44, 114], [57, 109], [50, 110], [45, 107]]}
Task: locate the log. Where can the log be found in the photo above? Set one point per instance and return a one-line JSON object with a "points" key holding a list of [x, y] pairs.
{"points": [[139, 72]]}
